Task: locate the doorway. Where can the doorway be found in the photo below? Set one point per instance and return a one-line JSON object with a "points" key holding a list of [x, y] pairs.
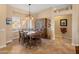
{"points": [[67, 36]]}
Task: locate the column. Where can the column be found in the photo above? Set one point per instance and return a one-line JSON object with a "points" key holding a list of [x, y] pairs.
{"points": [[75, 26]]}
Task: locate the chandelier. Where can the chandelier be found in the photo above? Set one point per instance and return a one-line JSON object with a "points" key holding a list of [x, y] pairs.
{"points": [[29, 19], [29, 11], [29, 16]]}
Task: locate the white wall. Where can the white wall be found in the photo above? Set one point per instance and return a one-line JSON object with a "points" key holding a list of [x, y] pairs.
{"points": [[75, 25], [58, 33], [3, 14]]}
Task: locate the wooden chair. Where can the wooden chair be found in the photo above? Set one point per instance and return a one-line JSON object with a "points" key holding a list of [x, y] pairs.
{"points": [[36, 40], [21, 37], [26, 39]]}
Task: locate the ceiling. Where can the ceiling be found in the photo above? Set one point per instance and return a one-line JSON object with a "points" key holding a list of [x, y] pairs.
{"points": [[35, 8]]}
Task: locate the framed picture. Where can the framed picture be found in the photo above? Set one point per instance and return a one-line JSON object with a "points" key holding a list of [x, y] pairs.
{"points": [[8, 21], [63, 22]]}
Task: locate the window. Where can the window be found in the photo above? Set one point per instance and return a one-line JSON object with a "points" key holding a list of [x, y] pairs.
{"points": [[29, 24], [15, 23]]}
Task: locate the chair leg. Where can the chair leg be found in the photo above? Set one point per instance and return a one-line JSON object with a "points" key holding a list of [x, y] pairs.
{"points": [[19, 39]]}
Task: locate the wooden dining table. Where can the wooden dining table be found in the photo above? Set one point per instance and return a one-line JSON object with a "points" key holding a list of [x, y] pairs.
{"points": [[32, 33], [33, 38]]}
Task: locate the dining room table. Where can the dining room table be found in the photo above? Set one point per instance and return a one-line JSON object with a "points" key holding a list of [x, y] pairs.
{"points": [[33, 38]]}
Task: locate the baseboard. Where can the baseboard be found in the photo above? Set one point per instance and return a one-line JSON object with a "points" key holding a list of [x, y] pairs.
{"points": [[52, 38], [2, 46], [75, 44], [12, 39], [64, 37], [68, 38], [9, 41]]}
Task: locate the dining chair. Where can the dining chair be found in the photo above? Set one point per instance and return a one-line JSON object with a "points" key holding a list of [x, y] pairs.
{"points": [[21, 37]]}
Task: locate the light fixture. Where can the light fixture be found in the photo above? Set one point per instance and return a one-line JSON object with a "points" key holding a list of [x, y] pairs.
{"points": [[30, 16], [29, 11]]}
